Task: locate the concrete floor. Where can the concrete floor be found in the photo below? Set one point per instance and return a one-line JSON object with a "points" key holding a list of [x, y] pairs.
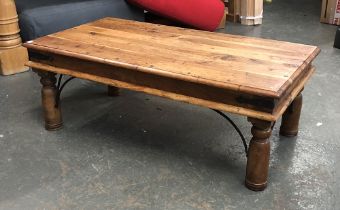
{"points": [[143, 152]]}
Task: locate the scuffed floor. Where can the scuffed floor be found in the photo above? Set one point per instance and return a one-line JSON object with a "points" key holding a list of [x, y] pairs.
{"points": [[143, 152]]}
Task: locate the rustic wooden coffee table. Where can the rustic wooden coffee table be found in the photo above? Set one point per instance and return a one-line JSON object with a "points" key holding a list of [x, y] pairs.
{"points": [[258, 78]]}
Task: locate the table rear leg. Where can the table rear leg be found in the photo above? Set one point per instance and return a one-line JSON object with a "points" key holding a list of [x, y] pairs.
{"points": [[291, 117], [258, 155], [112, 91], [52, 113]]}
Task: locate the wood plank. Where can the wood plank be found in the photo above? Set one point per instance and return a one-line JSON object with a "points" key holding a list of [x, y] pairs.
{"points": [[289, 62], [217, 61], [119, 24], [190, 44]]}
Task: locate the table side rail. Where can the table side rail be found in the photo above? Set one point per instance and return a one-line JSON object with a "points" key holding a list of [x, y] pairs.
{"points": [[198, 94]]}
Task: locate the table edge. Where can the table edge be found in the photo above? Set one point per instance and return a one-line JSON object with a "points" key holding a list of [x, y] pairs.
{"points": [[228, 86], [201, 102]]}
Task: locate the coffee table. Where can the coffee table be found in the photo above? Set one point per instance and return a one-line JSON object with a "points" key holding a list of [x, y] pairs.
{"points": [[261, 79]]}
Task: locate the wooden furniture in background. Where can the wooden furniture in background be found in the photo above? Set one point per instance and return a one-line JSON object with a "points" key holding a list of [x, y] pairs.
{"points": [[248, 12], [251, 12], [233, 10], [12, 55], [330, 12], [258, 78]]}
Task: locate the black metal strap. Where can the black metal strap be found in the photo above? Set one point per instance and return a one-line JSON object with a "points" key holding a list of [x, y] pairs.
{"points": [[236, 128], [60, 88]]}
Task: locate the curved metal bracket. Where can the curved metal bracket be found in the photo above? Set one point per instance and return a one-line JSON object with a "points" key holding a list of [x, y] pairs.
{"points": [[60, 88], [236, 128]]}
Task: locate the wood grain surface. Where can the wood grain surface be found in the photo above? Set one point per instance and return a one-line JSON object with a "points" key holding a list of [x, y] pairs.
{"points": [[244, 64]]}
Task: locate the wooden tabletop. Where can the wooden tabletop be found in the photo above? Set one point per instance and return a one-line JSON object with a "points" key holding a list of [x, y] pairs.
{"points": [[250, 65]]}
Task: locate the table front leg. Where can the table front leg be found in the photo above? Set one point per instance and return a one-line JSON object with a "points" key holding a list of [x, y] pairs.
{"points": [[291, 117], [258, 155], [52, 113]]}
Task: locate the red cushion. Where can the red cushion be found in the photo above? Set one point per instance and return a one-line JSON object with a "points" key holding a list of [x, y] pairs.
{"points": [[202, 14]]}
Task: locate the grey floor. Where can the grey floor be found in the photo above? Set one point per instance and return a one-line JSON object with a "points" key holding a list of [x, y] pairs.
{"points": [[142, 152]]}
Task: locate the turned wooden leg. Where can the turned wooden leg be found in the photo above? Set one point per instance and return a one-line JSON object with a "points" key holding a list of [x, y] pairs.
{"points": [[258, 155], [112, 91], [52, 113], [290, 119], [13, 56]]}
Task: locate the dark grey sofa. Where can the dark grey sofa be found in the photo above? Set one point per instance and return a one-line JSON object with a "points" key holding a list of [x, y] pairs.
{"points": [[41, 17]]}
